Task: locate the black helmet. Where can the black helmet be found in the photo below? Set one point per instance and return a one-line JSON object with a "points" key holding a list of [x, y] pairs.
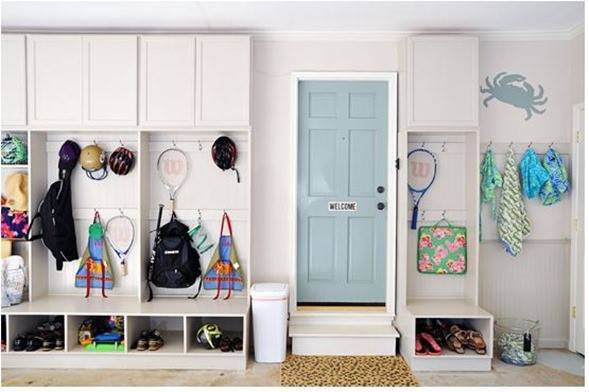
{"points": [[121, 161], [224, 154]]}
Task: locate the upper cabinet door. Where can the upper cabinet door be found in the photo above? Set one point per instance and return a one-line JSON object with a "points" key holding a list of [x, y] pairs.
{"points": [[167, 69], [14, 84], [54, 79], [223, 80], [442, 86], [110, 80]]}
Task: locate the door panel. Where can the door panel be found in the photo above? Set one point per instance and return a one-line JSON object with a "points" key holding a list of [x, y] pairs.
{"points": [[342, 161], [14, 85]]}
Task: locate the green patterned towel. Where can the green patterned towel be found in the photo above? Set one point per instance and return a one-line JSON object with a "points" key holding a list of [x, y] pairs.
{"points": [[513, 223]]}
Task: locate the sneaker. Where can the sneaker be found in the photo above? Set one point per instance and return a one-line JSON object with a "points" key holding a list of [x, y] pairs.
{"points": [[34, 343], [19, 343], [155, 340]]}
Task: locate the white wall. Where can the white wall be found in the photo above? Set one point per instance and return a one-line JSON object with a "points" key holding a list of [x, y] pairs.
{"points": [[534, 285], [271, 136]]}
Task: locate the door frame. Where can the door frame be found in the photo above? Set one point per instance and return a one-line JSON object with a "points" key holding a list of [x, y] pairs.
{"points": [[576, 220], [391, 79]]}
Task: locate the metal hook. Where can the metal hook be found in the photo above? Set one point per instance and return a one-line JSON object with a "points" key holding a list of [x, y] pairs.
{"points": [[550, 145], [174, 143], [444, 147], [121, 211], [510, 144], [422, 215], [94, 141], [122, 144], [490, 144], [423, 145], [199, 147], [443, 214], [530, 144]]}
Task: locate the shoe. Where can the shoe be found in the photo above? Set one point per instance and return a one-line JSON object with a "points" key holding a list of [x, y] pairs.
{"points": [[237, 343], [225, 344], [59, 342], [48, 341], [19, 343], [419, 348], [430, 344], [34, 343], [475, 341], [143, 341], [155, 340]]}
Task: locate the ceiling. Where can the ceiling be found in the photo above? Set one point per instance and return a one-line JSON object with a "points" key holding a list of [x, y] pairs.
{"points": [[271, 16]]}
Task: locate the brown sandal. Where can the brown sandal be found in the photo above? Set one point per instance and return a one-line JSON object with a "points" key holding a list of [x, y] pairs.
{"points": [[453, 343], [460, 333], [475, 341]]}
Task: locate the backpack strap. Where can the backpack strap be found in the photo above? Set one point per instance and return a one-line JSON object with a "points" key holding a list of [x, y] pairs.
{"points": [[198, 290], [36, 236], [88, 278], [103, 267]]}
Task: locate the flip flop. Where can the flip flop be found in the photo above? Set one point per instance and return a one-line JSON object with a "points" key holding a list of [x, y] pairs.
{"points": [[430, 343], [419, 349]]}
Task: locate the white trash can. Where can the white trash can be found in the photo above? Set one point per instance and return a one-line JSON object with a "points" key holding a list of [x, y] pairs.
{"points": [[270, 314]]}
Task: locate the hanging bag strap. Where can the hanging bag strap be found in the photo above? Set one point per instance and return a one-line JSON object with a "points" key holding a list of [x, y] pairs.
{"points": [[226, 218]]}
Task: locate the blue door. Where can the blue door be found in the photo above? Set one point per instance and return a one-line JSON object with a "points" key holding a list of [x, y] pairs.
{"points": [[342, 188]]}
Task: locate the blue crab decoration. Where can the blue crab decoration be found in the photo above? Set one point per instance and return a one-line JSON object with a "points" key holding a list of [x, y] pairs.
{"points": [[504, 88]]}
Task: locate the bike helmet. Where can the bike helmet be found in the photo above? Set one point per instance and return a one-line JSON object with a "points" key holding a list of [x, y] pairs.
{"points": [[224, 154], [121, 161], [69, 153], [14, 151], [209, 335], [93, 160]]}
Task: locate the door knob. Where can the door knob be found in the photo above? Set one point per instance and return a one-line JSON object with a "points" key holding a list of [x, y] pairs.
{"points": [[380, 189], [380, 206]]}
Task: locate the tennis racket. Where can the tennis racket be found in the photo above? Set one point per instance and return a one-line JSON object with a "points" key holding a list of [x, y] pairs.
{"points": [[172, 168], [120, 234], [422, 168]]}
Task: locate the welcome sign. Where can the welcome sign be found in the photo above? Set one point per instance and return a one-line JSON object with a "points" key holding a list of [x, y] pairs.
{"points": [[342, 206]]}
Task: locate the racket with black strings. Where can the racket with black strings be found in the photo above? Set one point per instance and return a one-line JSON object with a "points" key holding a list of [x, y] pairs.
{"points": [[422, 169], [120, 234]]}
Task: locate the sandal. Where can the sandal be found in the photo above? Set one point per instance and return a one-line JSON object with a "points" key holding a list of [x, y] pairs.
{"points": [[430, 343], [460, 333], [155, 340], [453, 343], [475, 341], [143, 341], [237, 343], [419, 348]]}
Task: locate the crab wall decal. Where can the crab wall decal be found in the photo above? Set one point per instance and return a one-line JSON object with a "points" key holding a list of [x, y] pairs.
{"points": [[521, 95]]}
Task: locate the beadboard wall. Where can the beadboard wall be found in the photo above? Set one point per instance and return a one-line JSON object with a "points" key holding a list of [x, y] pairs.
{"points": [[535, 284]]}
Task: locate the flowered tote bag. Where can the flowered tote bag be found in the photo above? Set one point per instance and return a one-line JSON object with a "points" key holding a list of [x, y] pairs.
{"points": [[441, 249]]}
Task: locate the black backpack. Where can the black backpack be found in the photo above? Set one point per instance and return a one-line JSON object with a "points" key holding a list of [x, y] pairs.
{"points": [[174, 263], [57, 222]]}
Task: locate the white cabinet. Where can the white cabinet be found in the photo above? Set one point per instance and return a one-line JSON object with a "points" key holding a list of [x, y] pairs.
{"points": [[442, 86], [14, 84], [110, 80], [167, 81], [223, 80], [54, 64]]}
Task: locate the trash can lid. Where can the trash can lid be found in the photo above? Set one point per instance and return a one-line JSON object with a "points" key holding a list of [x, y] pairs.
{"points": [[269, 291]]}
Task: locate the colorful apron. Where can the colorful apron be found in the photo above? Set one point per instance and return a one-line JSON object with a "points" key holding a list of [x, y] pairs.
{"points": [[224, 271], [95, 270]]}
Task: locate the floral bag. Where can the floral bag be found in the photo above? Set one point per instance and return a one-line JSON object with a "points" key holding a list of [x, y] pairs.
{"points": [[441, 249]]}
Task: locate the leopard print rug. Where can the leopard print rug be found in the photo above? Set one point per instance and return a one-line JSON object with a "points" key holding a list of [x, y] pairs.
{"points": [[344, 371]]}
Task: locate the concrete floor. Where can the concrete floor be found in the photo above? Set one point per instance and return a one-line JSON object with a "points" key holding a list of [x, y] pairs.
{"points": [[269, 375]]}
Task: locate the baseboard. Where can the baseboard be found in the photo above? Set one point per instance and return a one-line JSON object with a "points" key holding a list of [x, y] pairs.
{"points": [[553, 343]]}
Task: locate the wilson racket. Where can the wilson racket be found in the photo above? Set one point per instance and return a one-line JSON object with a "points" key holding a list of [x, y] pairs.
{"points": [[172, 168], [422, 168], [120, 234]]}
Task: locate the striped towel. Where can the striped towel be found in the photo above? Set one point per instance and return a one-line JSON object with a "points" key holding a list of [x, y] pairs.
{"points": [[513, 223]]}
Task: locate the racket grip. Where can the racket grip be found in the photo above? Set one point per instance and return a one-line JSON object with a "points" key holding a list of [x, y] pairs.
{"points": [[414, 219]]}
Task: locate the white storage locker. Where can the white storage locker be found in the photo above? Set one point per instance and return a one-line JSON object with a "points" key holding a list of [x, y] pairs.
{"points": [[223, 80], [54, 79], [110, 80], [14, 84], [167, 86]]}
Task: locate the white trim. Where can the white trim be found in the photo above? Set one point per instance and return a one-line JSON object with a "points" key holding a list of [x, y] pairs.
{"points": [[314, 35], [392, 79], [576, 171]]}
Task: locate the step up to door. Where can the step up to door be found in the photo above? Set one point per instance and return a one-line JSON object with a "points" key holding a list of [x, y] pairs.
{"points": [[343, 339]]}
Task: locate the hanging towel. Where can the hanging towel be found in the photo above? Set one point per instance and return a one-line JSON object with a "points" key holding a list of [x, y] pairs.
{"points": [[533, 174], [558, 182], [490, 179], [513, 224]]}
